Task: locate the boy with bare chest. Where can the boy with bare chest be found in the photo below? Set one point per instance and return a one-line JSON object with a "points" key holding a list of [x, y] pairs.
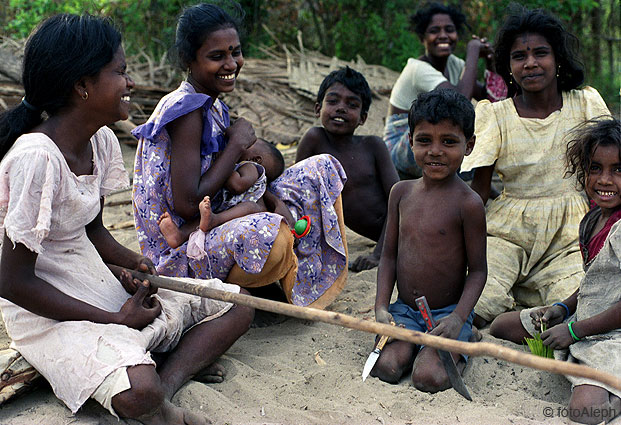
{"points": [[435, 242], [342, 105]]}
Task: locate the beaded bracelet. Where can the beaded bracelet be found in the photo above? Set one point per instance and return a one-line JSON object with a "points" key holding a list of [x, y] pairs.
{"points": [[571, 331], [566, 309]]}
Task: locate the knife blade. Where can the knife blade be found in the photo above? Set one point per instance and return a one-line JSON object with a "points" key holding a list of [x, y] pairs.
{"points": [[368, 366], [447, 360]]}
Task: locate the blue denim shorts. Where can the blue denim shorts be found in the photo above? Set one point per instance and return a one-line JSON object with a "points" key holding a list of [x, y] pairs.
{"points": [[413, 320]]}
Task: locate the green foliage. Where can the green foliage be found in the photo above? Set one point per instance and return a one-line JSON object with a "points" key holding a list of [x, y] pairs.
{"points": [[377, 31], [146, 24], [536, 346]]}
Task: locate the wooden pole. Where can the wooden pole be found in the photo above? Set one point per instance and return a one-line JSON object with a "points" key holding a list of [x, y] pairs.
{"points": [[476, 349]]}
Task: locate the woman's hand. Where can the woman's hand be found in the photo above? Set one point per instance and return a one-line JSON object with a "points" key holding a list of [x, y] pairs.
{"points": [[241, 134], [131, 285], [485, 49], [145, 265], [557, 337], [141, 309]]}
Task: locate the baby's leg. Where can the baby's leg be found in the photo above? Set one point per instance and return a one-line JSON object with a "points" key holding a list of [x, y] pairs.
{"points": [[429, 374], [240, 210], [394, 361], [175, 236], [509, 326], [145, 401], [590, 404]]}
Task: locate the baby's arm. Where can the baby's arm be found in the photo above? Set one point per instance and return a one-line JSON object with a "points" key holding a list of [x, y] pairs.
{"points": [[308, 144], [242, 179], [475, 237], [386, 272]]}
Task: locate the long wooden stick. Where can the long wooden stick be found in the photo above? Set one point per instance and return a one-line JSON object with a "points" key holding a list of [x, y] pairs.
{"points": [[476, 349]]}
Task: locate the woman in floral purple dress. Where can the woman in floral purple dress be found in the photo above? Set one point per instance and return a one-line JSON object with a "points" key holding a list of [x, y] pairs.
{"points": [[188, 148]]}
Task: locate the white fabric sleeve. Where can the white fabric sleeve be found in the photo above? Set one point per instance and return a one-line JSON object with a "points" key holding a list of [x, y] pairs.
{"points": [[417, 77], [488, 139], [29, 183], [593, 104], [110, 162]]}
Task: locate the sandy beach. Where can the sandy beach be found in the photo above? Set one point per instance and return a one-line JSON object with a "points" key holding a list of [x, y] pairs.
{"points": [[304, 372]]}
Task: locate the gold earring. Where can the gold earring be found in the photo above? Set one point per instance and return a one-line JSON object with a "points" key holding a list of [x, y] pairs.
{"points": [[85, 95], [510, 77], [558, 70]]}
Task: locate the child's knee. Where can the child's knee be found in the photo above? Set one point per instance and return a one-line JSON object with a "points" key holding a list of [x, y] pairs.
{"points": [[430, 380], [590, 405], [144, 398], [508, 326], [388, 370]]}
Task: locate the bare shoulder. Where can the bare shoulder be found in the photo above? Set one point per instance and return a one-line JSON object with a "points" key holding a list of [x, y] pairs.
{"points": [[404, 187], [311, 143], [313, 135], [471, 202], [372, 140]]}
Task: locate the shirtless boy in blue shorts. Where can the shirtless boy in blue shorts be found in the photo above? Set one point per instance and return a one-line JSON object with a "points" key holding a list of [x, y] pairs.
{"points": [[435, 243]]}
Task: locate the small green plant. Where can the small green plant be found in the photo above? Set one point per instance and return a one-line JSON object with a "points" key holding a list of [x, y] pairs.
{"points": [[537, 347]]}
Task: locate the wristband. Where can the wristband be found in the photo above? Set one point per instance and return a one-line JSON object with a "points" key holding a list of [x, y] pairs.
{"points": [[566, 309], [571, 331]]}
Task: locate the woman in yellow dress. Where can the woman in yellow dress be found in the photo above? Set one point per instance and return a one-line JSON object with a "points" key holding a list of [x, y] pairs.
{"points": [[533, 252]]}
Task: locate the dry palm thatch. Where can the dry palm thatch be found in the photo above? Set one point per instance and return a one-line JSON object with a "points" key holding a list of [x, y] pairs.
{"points": [[276, 94]]}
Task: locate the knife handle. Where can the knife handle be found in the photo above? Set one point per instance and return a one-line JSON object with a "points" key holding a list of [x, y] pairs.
{"points": [[424, 310], [383, 339]]}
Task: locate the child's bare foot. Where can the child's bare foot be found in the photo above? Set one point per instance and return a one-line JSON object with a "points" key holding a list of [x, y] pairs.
{"points": [[212, 374], [206, 214], [169, 414], [170, 231]]}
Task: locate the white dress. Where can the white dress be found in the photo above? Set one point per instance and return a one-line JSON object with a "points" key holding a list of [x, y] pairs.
{"points": [[45, 207]]}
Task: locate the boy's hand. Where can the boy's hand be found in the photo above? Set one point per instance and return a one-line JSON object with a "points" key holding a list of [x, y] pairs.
{"points": [[364, 262], [549, 316], [383, 316], [448, 326], [557, 337]]}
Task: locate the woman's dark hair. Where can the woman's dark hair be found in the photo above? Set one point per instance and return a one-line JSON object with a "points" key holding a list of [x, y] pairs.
{"points": [[59, 52], [198, 21], [421, 19], [585, 138], [538, 21]]}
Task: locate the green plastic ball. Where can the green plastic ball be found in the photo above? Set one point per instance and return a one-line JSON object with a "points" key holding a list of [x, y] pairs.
{"points": [[300, 226]]}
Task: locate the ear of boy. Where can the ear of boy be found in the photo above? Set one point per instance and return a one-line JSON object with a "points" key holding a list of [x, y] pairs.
{"points": [[470, 145]]}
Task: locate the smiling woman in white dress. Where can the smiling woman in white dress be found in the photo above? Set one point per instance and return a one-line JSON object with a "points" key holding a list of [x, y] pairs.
{"points": [[87, 331]]}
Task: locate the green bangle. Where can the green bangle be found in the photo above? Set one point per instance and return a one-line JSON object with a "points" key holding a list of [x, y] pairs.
{"points": [[571, 331]]}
